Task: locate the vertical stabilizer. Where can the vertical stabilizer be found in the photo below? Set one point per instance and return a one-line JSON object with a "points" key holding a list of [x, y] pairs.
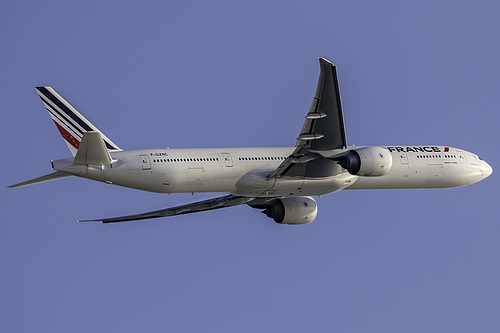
{"points": [[70, 123]]}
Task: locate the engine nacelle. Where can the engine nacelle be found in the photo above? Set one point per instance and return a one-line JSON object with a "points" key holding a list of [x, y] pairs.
{"points": [[367, 161], [292, 210]]}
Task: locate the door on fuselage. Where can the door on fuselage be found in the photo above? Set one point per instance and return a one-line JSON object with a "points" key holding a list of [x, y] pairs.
{"points": [[145, 162], [403, 157], [463, 160], [228, 161]]}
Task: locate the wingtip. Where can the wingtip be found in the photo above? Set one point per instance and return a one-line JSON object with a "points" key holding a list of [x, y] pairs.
{"points": [[323, 60]]}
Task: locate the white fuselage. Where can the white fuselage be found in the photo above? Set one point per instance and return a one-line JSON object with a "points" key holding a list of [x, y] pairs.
{"points": [[245, 171]]}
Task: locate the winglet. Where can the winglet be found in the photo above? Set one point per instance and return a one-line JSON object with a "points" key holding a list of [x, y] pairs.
{"points": [[92, 151]]}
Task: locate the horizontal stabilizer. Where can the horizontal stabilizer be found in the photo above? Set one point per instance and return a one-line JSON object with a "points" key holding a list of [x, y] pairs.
{"points": [[92, 151], [42, 179]]}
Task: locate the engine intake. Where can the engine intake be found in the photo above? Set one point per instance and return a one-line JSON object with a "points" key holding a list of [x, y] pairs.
{"points": [[292, 210], [368, 161]]}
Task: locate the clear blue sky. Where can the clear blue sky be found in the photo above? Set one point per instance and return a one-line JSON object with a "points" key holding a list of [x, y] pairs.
{"points": [[153, 74]]}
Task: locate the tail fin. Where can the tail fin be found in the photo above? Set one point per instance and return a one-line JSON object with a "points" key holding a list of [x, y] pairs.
{"points": [[70, 123]]}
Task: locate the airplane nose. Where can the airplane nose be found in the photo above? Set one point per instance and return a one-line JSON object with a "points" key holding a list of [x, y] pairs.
{"points": [[486, 169]]}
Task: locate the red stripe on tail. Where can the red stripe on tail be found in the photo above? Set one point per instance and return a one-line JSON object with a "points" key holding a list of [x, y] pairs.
{"points": [[68, 137]]}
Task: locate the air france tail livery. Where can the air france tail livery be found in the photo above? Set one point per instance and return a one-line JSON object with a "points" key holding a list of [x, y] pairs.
{"points": [[278, 181]]}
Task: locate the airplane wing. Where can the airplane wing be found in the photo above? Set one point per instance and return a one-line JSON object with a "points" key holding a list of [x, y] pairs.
{"points": [[324, 125], [215, 203], [323, 128]]}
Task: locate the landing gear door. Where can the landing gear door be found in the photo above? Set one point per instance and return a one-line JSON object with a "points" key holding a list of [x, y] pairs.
{"points": [[146, 164], [228, 161]]}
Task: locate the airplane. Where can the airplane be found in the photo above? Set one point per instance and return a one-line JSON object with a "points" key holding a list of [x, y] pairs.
{"points": [[279, 181]]}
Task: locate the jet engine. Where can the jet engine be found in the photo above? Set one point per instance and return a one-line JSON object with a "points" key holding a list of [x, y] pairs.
{"points": [[292, 210], [368, 161]]}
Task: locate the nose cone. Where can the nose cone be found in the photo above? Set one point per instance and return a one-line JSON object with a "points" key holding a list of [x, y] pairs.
{"points": [[486, 169]]}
